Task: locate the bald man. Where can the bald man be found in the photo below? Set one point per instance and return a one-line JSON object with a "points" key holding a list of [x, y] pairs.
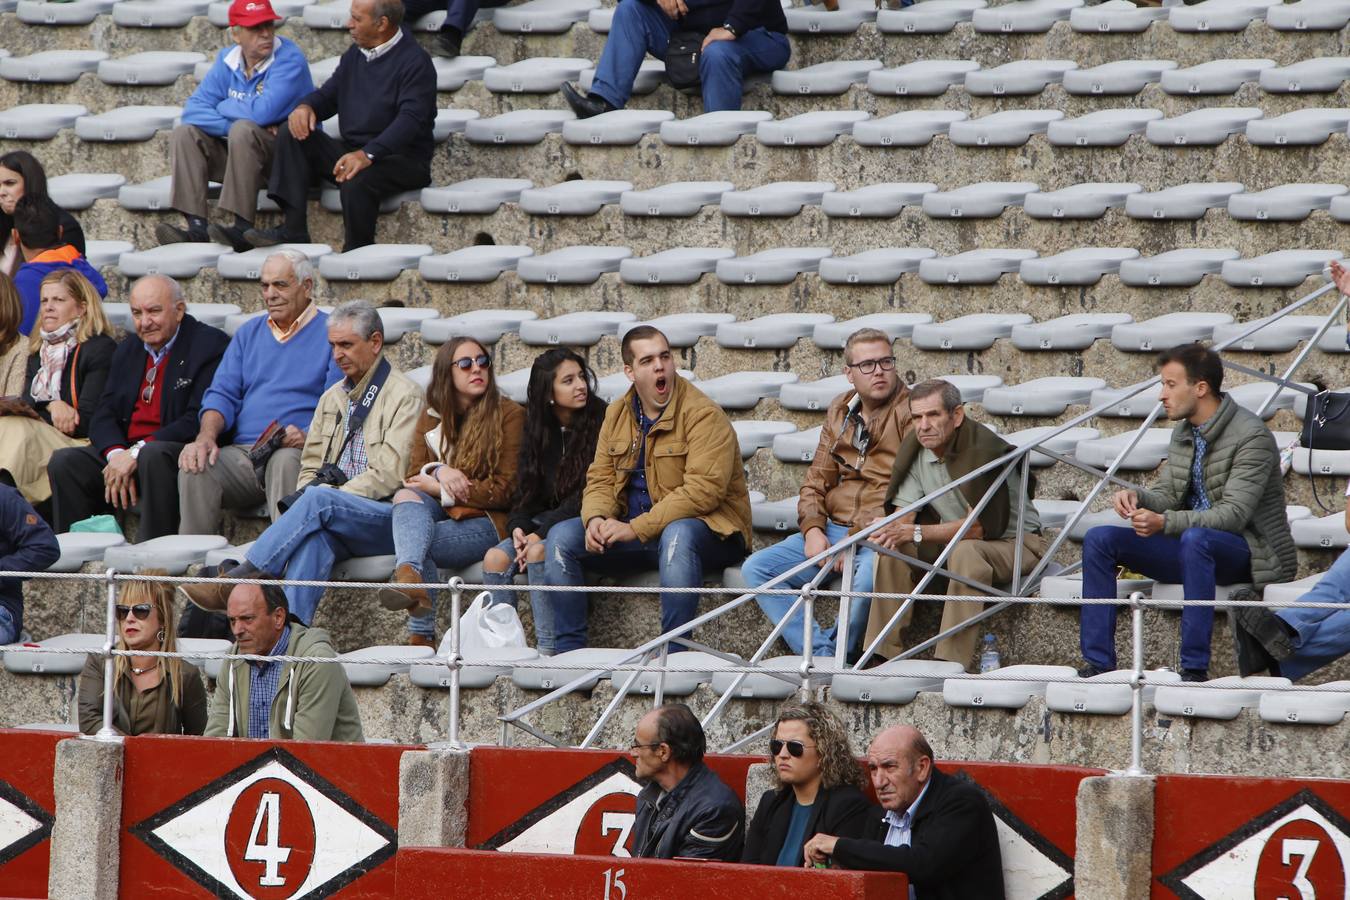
{"points": [[935, 828]]}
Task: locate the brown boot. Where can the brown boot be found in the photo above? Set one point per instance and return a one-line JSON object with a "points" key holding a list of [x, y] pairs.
{"points": [[421, 640], [414, 600], [214, 595]]}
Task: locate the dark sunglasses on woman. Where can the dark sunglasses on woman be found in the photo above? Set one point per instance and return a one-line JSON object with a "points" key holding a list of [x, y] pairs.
{"points": [[468, 362], [140, 611]]}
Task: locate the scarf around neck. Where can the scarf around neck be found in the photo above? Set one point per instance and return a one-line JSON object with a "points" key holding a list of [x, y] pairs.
{"points": [[55, 350]]}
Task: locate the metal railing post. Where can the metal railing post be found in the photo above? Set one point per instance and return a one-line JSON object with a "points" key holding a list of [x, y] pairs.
{"points": [[106, 732], [455, 662], [808, 619], [659, 698], [1137, 687], [842, 635]]}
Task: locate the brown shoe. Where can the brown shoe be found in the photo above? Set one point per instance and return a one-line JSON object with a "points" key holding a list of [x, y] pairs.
{"points": [[414, 600], [421, 640], [209, 595]]}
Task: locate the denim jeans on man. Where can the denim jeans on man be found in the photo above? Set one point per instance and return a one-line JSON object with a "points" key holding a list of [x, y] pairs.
{"points": [[539, 608], [687, 549], [763, 565], [1198, 560], [640, 28], [9, 632], [1323, 635], [425, 537]]}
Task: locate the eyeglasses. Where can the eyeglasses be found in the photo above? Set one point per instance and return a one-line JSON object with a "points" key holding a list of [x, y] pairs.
{"points": [[794, 748], [482, 361], [141, 611], [645, 746], [868, 366], [149, 391]]}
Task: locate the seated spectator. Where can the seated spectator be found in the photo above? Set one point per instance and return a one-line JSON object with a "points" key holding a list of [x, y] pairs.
{"points": [[281, 701], [229, 127], [353, 461], [26, 545], [272, 374], [843, 490], [1216, 514], [384, 94], [936, 829], [151, 694], [459, 16], [148, 412], [68, 358], [666, 491], [738, 39], [462, 470], [562, 420], [945, 445], [684, 811], [818, 788], [21, 175], [13, 348], [37, 230]]}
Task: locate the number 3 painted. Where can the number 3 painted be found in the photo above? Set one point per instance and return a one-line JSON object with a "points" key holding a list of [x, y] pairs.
{"points": [[271, 853], [1305, 851], [615, 878]]}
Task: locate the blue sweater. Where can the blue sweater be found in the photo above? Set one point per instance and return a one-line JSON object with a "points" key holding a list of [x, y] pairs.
{"points": [[26, 545], [259, 380], [226, 95], [28, 280]]}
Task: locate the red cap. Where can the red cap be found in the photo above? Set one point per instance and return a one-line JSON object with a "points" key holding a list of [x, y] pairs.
{"points": [[252, 12]]}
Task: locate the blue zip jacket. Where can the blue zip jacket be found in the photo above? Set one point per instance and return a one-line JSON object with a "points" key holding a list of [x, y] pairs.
{"points": [[26, 545], [28, 280], [225, 95]]}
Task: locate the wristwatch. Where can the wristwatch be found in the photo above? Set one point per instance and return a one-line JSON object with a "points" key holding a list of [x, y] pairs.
{"points": [[918, 534], [732, 28]]}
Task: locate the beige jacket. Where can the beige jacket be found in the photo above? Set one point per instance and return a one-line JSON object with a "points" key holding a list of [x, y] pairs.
{"points": [[13, 369]]}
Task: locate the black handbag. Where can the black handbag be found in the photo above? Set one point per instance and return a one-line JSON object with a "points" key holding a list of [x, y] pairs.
{"points": [[682, 56], [1326, 426]]}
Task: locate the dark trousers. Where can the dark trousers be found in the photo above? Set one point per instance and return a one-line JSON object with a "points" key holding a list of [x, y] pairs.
{"points": [[298, 164], [76, 475], [458, 13]]}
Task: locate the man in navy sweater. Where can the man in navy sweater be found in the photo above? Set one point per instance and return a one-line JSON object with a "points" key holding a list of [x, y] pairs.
{"points": [[384, 94], [26, 545]]}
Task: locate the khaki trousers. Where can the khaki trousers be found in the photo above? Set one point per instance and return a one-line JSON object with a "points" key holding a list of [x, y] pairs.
{"points": [[231, 484], [989, 562], [240, 163]]}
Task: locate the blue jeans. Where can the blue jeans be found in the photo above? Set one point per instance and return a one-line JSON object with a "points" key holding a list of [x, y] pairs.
{"points": [[324, 527], [640, 28], [9, 629], [543, 616], [687, 548], [1198, 560], [1323, 634], [771, 561], [425, 537]]}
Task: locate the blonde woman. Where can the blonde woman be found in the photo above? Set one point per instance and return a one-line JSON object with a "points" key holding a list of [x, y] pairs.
{"points": [[151, 694], [13, 347], [68, 357]]}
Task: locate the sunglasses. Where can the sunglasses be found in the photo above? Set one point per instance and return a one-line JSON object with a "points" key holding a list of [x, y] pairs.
{"points": [[140, 611], [794, 748], [482, 361], [860, 440], [149, 391]]}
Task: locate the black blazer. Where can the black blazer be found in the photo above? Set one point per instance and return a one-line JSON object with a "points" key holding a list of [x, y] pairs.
{"points": [[192, 362], [84, 386], [953, 852], [842, 811]]}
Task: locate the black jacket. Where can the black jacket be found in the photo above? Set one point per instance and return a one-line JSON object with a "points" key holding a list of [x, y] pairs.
{"points": [[26, 545], [192, 361], [82, 388], [744, 15], [953, 852], [537, 507], [700, 818], [842, 811]]}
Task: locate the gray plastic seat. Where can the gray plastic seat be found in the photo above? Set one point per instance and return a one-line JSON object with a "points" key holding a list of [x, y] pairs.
{"points": [[1320, 532], [1300, 128], [1026, 17], [1124, 77], [895, 682], [51, 66], [361, 673], [881, 266], [38, 121], [521, 126], [1201, 127], [714, 129], [157, 13], [797, 447], [476, 196], [1107, 694], [364, 568], [930, 17], [173, 553], [1065, 442], [1175, 268], [453, 74], [478, 264], [538, 75], [213, 314], [1145, 456], [34, 662], [1076, 331], [1322, 707], [1168, 330], [451, 121], [1202, 703], [80, 547], [1310, 15], [1184, 201], [1108, 518], [845, 19], [79, 191], [778, 266], [761, 686], [1218, 15], [175, 260], [620, 127], [583, 197], [1040, 396], [486, 326], [997, 690], [1254, 396], [1323, 75], [779, 198], [833, 335], [1078, 201], [330, 16], [1020, 78], [207, 654], [651, 75], [985, 200], [1070, 587], [1083, 266], [1321, 462], [813, 396], [743, 390], [679, 265], [924, 78], [977, 331], [912, 128], [542, 16], [1010, 128], [1220, 76], [757, 434], [247, 266], [972, 387], [564, 667], [678, 198], [401, 320], [571, 265], [812, 129], [577, 329], [72, 12], [1283, 268], [119, 314], [1115, 17], [330, 198], [1286, 203], [1104, 128], [776, 331], [155, 67], [106, 253], [376, 262], [974, 266], [682, 329], [1123, 406], [127, 123], [774, 515], [480, 667], [824, 79]]}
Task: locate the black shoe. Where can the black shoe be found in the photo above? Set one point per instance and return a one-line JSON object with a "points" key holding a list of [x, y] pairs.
{"points": [[171, 234], [446, 44], [585, 105], [1269, 629], [1195, 675], [1251, 656], [229, 234], [1090, 671], [271, 237]]}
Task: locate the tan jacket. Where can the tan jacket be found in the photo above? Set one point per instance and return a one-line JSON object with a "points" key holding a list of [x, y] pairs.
{"points": [[388, 431], [488, 496], [693, 463], [834, 492]]}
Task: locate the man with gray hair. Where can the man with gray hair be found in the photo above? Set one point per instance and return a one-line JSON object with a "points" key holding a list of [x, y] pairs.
{"points": [[149, 411], [251, 427], [354, 459]]}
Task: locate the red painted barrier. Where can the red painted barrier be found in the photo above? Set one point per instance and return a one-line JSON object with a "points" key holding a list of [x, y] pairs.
{"points": [[27, 809], [1219, 838], [428, 874]]}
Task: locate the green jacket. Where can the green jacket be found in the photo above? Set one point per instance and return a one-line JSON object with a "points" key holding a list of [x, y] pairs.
{"points": [[314, 701], [1245, 487]]}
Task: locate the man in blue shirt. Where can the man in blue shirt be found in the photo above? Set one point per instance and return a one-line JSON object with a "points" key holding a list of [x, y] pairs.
{"points": [[26, 545]]}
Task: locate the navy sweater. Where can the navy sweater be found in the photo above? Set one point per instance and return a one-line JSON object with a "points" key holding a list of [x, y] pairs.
{"points": [[744, 15], [386, 107], [26, 545]]}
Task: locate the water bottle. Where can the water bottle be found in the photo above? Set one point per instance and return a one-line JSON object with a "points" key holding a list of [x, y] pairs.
{"points": [[989, 660]]}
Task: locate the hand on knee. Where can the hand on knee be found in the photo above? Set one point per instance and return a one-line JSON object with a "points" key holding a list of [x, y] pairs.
{"points": [[534, 553]]}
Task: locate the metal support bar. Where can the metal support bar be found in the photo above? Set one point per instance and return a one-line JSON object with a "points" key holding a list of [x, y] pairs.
{"points": [[808, 619], [1021, 523], [106, 731], [455, 662], [1298, 360], [1137, 687], [614, 704], [842, 636]]}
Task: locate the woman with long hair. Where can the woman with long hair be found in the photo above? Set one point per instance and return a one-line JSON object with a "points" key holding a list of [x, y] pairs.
{"points": [[462, 471], [562, 421], [68, 357], [13, 347], [21, 175], [151, 694]]}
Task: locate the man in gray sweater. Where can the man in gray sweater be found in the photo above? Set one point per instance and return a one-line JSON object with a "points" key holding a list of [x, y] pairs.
{"points": [[1216, 515]]}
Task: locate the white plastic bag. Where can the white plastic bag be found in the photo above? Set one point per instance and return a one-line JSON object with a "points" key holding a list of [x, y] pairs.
{"points": [[486, 626]]}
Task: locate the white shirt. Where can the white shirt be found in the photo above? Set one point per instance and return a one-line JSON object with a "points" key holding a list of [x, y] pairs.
{"points": [[902, 826], [376, 52]]}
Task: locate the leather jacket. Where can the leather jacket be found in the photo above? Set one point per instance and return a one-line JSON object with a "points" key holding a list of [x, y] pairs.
{"points": [[700, 818]]}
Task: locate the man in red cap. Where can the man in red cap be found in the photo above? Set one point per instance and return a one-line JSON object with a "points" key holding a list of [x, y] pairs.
{"points": [[229, 126]]}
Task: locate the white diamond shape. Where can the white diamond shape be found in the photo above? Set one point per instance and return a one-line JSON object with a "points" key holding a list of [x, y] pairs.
{"points": [[1028, 873], [1232, 875], [15, 825], [557, 832]]}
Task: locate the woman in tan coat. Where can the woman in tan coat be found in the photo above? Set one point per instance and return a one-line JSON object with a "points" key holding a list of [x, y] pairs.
{"points": [[13, 348]]}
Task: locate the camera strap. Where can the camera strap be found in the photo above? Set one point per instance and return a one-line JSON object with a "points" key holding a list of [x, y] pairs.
{"points": [[363, 406]]}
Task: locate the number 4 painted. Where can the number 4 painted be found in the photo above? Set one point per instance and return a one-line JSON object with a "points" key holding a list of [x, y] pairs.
{"points": [[614, 878], [270, 853], [1305, 850]]}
